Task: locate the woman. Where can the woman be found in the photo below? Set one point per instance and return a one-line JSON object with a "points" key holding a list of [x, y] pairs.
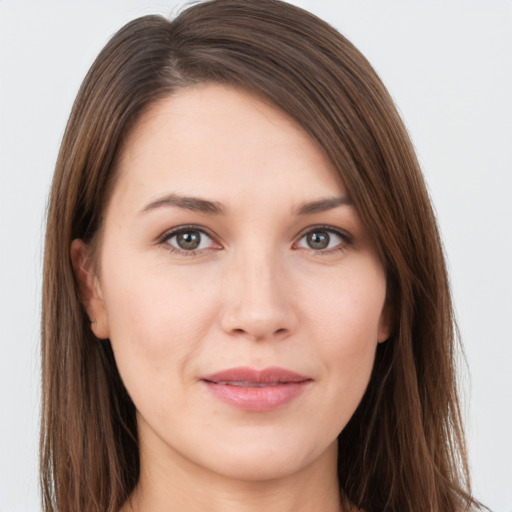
{"points": [[245, 300]]}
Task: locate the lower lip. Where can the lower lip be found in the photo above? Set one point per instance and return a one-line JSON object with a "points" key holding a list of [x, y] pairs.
{"points": [[265, 398]]}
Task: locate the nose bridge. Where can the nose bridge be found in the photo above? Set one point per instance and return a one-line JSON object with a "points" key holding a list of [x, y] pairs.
{"points": [[259, 303], [258, 273]]}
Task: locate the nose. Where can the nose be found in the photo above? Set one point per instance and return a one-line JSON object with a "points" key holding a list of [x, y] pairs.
{"points": [[258, 301]]}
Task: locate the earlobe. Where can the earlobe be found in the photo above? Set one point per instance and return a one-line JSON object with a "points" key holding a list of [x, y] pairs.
{"points": [[89, 288], [385, 323]]}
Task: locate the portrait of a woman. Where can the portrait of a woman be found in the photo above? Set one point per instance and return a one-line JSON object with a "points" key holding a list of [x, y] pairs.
{"points": [[245, 302]]}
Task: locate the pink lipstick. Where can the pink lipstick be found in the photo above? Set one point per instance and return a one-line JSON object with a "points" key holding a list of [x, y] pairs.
{"points": [[256, 390]]}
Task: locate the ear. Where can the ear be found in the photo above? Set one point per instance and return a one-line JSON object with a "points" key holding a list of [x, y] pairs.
{"points": [[89, 288], [385, 322]]}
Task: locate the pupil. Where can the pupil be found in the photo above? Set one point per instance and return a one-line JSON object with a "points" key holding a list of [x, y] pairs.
{"points": [[318, 240], [189, 240]]}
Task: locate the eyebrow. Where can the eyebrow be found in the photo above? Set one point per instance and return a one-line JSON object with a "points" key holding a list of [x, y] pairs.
{"points": [[197, 204], [194, 204], [323, 205]]}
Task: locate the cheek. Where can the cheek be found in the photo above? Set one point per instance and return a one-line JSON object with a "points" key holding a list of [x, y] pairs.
{"points": [[345, 317], [157, 320], [348, 307]]}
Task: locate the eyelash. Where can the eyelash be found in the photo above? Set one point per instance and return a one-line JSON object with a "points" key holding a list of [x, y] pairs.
{"points": [[164, 239], [347, 240], [168, 235]]}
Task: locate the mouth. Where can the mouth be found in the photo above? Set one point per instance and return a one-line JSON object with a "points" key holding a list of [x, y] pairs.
{"points": [[256, 390], [248, 384]]}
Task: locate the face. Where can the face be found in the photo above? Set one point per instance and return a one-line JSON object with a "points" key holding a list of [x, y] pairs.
{"points": [[241, 293]]}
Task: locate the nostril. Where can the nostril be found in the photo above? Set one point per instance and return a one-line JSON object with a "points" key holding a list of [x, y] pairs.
{"points": [[278, 333]]}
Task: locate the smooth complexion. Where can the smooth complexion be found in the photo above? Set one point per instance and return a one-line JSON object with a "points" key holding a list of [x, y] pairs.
{"points": [[229, 242]]}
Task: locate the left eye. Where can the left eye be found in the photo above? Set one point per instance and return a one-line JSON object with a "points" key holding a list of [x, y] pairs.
{"points": [[188, 240], [322, 239]]}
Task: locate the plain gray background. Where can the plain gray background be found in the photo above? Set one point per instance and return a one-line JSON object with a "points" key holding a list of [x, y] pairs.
{"points": [[447, 63]]}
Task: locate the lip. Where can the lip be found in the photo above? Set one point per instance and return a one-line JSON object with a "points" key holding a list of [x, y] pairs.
{"points": [[250, 389]]}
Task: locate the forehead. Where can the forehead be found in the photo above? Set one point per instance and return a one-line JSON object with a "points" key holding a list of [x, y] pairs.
{"points": [[214, 139]]}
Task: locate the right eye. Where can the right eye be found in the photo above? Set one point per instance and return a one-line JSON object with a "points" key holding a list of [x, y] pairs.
{"points": [[188, 240]]}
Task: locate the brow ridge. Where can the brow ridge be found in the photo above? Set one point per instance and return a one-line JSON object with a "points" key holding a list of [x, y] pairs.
{"points": [[194, 204], [200, 205], [322, 205]]}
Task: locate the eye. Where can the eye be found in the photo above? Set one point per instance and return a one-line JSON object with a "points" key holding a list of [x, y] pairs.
{"points": [[188, 240], [323, 239]]}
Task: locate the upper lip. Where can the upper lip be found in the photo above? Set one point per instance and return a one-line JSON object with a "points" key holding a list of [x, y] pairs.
{"points": [[270, 375]]}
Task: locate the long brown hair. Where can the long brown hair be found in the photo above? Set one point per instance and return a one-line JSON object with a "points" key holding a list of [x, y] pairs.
{"points": [[404, 447]]}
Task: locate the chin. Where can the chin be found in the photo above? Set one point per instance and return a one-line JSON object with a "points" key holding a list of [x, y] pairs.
{"points": [[265, 461], [260, 469]]}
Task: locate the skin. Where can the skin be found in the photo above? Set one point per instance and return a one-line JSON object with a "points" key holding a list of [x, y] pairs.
{"points": [[255, 293]]}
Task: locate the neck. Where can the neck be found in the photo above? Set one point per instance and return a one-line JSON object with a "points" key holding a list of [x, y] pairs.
{"points": [[184, 487]]}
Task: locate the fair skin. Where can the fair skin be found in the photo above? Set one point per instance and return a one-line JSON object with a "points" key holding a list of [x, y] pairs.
{"points": [[273, 268]]}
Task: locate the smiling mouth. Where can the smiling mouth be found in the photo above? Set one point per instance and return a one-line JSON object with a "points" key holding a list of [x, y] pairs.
{"points": [[256, 390]]}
